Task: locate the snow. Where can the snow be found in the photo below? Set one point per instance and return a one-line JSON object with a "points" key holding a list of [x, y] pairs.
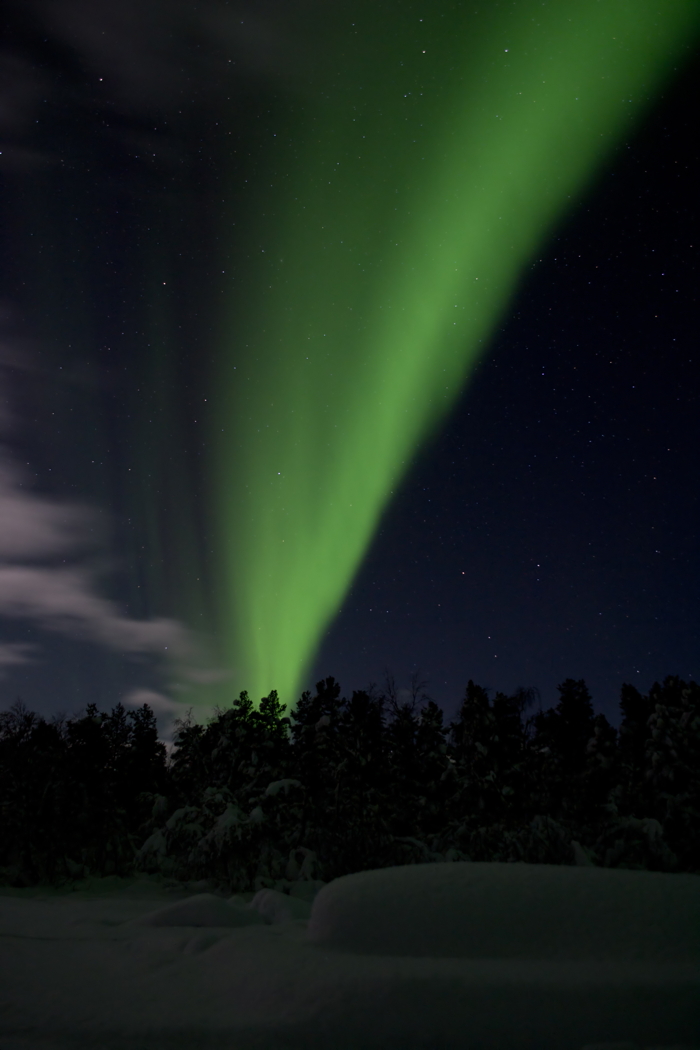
{"points": [[461, 956], [204, 909], [512, 911]]}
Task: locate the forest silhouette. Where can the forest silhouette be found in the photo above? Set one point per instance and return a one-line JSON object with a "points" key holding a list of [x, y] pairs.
{"points": [[255, 799]]}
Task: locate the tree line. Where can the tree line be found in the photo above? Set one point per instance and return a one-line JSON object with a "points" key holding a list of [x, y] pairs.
{"points": [[254, 798]]}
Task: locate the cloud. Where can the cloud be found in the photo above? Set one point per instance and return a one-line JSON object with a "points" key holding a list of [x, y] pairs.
{"points": [[152, 59], [207, 676], [13, 654], [150, 51], [36, 531], [44, 579], [32, 527], [63, 598], [160, 704], [146, 77]]}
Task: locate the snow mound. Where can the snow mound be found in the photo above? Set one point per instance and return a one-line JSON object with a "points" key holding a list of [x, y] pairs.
{"points": [[279, 907], [306, 889], [79, 974], [204, 909], [511, 911]]}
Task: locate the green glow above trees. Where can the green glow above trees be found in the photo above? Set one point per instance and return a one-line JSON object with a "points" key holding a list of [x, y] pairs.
{"points": [[424, 168]]}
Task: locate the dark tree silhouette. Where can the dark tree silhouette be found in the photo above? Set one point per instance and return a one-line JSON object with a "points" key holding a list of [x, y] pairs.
{"points": [[254, 798]]}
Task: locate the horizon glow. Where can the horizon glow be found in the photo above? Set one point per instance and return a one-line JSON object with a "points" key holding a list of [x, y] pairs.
{"points": [[413, 184]]}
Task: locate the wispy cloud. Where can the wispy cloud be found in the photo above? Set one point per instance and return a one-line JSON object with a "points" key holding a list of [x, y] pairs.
{"points": [[153, 58], [35, 528], [47, 579], [13, 654], [206, 676], [64, 598], [158, 702]]}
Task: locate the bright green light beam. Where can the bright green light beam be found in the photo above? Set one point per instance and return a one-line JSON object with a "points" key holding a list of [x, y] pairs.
{"points": [[425, 176]]}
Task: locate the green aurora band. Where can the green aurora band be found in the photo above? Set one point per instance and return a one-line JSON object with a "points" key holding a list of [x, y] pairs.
{"points": [[425, 167]]}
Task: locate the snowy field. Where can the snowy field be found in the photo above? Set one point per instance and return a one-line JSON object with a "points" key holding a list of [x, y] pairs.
{"points": [[434, 956]]}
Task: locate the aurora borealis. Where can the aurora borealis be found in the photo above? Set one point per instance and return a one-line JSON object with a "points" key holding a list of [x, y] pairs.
{"points": [[338, 338], [409, 197]]}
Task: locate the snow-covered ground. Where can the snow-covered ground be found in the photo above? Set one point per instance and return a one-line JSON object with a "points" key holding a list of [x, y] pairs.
{"points": [[433, 956]]}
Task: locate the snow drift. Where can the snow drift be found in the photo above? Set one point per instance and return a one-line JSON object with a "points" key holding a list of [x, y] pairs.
{"points": [[426, 957], [511, 911]]}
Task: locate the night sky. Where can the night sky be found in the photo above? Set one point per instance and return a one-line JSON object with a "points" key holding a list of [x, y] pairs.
{"points": [[550, 531], [547, 528]]}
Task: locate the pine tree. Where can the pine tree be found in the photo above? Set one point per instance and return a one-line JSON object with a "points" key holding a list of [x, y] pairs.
{"points": [[361, 782], [559, 748], [635, 710], [316, 755], [473, 751], [672, 761], [600, 773]]}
